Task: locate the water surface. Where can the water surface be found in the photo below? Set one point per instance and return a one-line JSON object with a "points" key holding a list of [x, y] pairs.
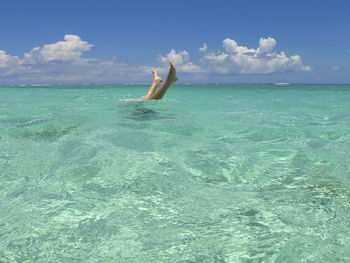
{"points": [[211, 173]]}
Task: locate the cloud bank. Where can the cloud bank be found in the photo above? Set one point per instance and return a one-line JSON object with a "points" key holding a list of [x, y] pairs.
{"points": [[63, 62], [236, 59]]}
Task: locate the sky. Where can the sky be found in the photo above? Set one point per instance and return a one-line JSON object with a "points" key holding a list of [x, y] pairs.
{"points": [[49, 42]]}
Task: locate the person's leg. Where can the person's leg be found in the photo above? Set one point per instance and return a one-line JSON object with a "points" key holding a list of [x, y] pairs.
{"points": [[154, 85], [169, 80]]}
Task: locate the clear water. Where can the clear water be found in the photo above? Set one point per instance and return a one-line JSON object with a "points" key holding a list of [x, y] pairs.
{"points": [[211, 173]]}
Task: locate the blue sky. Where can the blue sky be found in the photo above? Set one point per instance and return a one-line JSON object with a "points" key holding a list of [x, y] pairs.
{"points": [[120, 41]]}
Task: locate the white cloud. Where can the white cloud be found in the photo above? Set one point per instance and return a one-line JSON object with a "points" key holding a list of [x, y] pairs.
{"points": [[177, 58], [335, 68], [306, 68], [181, 61], [9, 64], [70, 49], [241, 59], [6, 60], [231, 47], [266, 45], [204, 48]]}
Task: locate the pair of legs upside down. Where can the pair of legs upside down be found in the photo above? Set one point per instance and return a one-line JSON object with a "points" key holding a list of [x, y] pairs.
{"points": [[152, 93]]}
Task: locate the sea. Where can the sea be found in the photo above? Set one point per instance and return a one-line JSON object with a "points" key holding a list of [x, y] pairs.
{"points": [[210, 173]]}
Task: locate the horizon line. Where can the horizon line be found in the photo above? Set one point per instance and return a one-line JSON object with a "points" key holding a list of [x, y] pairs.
{"points": [[176, 84]]}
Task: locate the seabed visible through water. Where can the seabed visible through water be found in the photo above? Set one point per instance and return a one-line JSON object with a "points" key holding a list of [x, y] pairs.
{"points": [[211, 173]]}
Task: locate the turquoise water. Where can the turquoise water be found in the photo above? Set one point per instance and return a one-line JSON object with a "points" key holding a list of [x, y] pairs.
{"points": [[211, 173]]}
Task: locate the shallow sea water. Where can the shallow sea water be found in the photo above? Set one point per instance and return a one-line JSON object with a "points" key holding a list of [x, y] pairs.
{"points": [[211, 173]]}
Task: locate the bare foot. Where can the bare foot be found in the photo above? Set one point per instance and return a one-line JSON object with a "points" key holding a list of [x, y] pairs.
{"points": [[172, 72], [156, 78]]}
